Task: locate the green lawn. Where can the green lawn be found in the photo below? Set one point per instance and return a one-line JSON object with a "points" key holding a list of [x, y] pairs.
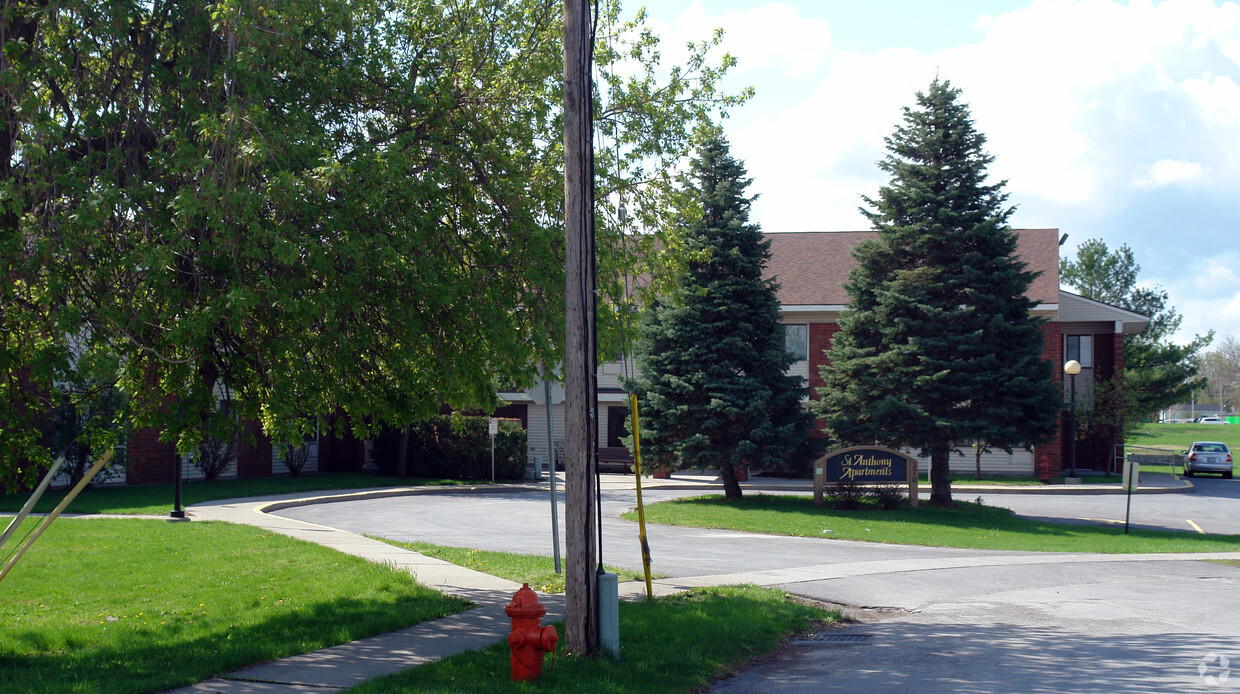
{"points": [[676, 644], [125, 605], [157, 498], [968, 526], [1173, 438], [1177, 437], [536, 570]]}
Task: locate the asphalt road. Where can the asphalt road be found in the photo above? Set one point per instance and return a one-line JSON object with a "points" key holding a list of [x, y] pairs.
{"points": [[1213, 508], [931, 619]]}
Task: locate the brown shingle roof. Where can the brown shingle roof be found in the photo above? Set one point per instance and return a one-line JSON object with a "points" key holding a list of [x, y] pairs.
{"points": [[811, 267]]}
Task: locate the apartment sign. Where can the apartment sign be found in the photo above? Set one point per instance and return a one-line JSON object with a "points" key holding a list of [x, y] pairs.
{"points": [[865, 465]]}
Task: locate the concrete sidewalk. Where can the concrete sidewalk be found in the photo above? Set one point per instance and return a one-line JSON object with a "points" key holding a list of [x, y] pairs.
{"points": [[340, 667], [347, 665]]}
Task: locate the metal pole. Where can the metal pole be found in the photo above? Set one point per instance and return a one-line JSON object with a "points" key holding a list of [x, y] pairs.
{"points": [[1131, 483], [555, 510], [177, 512], [1072, 430]]}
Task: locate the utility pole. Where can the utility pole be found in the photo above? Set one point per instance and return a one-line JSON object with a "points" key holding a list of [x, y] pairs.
{"points": [[580, 587]]}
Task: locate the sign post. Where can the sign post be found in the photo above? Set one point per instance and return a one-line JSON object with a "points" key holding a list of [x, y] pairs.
{"points": [[865, 465], [1132, 477], [493, 429]]}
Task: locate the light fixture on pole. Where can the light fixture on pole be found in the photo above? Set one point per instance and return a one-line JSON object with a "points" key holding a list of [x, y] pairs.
{"points": [[1072, 367]]}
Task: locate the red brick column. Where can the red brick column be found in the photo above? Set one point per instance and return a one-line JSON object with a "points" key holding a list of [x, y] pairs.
{"points": [[149, 459], [1049, 457], [254, 452], [820, 335], [343, 453], [1119, 374]]}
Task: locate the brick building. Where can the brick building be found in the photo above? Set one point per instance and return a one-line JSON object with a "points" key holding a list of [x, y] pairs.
{"points": [[811, 268]]}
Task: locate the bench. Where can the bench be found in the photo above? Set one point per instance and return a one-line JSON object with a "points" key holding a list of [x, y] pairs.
{"points": [[615, 459]]}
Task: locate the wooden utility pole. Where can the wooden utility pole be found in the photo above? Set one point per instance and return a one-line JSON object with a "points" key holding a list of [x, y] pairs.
{"points": [[580, 589]]}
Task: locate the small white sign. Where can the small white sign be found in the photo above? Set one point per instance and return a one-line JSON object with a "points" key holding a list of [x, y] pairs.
{"points": [[493, 426]]}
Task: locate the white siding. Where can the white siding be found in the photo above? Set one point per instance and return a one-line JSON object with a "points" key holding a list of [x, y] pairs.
{"points": [[536, 432], [1019, 462]]}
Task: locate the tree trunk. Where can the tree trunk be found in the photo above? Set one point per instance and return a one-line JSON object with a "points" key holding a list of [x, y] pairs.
{"points": [[731, 488], [940, 476], [977, 458]]}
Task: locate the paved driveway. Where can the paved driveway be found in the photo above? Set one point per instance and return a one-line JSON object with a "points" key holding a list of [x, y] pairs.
{"points": [[931, 619], [1213, 507]]}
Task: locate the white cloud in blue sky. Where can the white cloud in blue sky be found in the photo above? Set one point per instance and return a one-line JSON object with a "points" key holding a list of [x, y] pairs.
{"points": [[1110, 120]]}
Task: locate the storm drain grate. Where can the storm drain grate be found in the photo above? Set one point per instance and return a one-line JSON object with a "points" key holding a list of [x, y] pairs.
{"points": [[835, 638]]}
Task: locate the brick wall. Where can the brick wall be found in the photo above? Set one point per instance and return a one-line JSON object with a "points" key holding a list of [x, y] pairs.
{"points": [[1048, 458], [253, 452], [150, 460], [820, 335], [340, 453]]}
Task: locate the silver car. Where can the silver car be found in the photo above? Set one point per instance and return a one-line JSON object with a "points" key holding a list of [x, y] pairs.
{"points": [[1208, 456]]}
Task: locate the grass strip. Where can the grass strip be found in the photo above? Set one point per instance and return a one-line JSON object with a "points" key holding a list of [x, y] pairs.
{"points": [[678, 644], [536, 570], [156, 499], [127, 605], [1227, 562], [968, 525]]}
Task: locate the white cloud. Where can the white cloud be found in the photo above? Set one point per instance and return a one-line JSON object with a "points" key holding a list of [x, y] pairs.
{"points": [[1071, 95], [770, 36], [1166, 172], [1207, 296]]}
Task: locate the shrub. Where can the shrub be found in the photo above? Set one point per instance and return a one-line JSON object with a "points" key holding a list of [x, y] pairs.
{"points": [[454, 447], [294, 457], [888, 496], [847, 496]]}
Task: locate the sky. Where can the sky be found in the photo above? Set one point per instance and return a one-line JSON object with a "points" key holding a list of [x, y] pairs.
{"points": [[1117, 121]]}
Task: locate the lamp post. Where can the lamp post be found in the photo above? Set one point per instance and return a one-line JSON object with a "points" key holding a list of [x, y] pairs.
{"points": [[1072, 367]]}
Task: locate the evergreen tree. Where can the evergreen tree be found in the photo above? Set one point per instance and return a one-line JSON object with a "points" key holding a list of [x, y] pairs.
{"points": [[713, 388], [939, 346]]}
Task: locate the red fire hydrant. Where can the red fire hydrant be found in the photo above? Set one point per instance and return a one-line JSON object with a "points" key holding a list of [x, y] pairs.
{"points": [[528, 641]]}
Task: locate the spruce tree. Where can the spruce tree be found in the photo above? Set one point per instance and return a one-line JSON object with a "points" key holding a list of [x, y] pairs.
{"points": [[939, 346], [713, 388]]}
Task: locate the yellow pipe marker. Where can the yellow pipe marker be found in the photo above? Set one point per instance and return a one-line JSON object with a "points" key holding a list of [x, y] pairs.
{"points": [[77, 488], [641, 510]]}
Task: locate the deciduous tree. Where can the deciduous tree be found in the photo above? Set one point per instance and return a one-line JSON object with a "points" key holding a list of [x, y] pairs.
{"points": [[349, 205]]}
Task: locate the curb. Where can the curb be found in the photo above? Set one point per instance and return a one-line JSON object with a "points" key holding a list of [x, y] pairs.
{"points": [[1185, 487]]}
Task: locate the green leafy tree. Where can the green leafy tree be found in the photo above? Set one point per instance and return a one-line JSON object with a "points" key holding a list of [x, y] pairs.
{"points": [[713, 389], [939, 345], [1157, 372], [1219, 373], [342, 206]]}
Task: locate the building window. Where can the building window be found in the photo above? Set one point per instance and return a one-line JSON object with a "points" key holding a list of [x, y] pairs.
{"points": [[796, 341], [1080, 348]]}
